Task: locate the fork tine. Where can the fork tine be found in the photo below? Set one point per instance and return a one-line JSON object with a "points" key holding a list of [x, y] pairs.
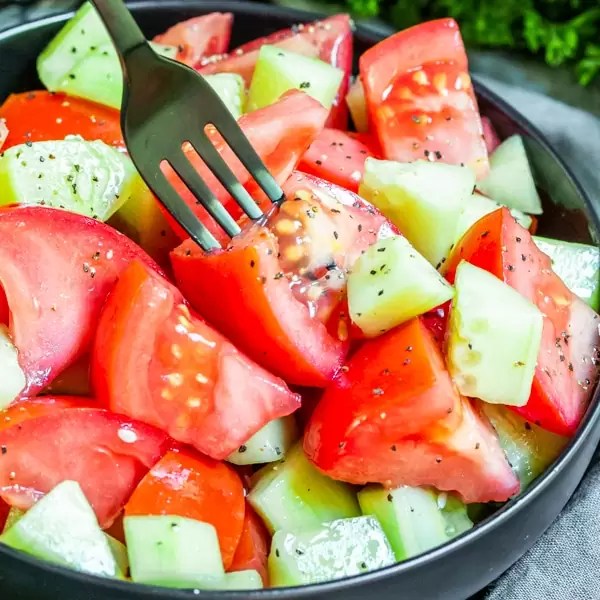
{"points": [[184, 168], [215, 162], [227, 126], [181, 212]]}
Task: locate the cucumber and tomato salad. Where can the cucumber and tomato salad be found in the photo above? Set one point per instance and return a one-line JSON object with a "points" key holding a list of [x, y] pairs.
{"points": [[327, 394]]}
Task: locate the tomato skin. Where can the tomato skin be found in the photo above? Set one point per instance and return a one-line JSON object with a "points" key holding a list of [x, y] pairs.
{"points": [[187, 484], [3, 132], [336, 157], [330, 40], [253, 548], [4, 510], [40, 116], [420, 98], [280, 133], [106, 453], [182, 376], [199, 37], [242, 290], [436, 321], [567, 368], [490, 136], [56, 269]]}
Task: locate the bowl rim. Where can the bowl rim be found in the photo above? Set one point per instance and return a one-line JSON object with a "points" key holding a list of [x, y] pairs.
{"points": [[590, 422]]}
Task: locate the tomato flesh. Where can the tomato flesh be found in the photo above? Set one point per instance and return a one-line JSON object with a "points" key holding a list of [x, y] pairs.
{"points": [[187, 484], [156, 362], [329, 40], [41, 116], [336, 157], [567, 368], [420, 98], [273, 291], [56, 269], [253, 547], [199, 37], [106, 453]]}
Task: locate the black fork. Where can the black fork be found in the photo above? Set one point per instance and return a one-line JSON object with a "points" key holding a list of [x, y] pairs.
{"points": [[166, 105]]}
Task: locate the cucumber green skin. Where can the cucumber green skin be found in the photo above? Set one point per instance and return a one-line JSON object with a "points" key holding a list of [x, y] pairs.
{"points": [[172, 551], [341, 548], [268, 445], [414, 519], [62, 529], [494, 338], [89, 178], [529, 449], [510, 180], [390, 284], [578, 265], [278, 71], [81, 60], [424, 200], [293, 495]]}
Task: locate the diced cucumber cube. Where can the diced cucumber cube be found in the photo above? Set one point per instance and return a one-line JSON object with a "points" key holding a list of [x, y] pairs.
{"points": [[62, 528], [293, 495], [494, 338], [119, 552], [81, 60], [278, 71], [90, 178], [231, 89], [172, 551], [391, 283], [269, 444], [12, 377], [510, 180], [529, 449], [479, 206], [329, 551], [578, 265], [423, 199], [242, 580], [355, 99], [414, 519]]}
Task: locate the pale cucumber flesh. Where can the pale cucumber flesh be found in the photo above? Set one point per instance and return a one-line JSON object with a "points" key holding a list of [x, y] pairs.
{"points": [[12, 377], [231, 88]]}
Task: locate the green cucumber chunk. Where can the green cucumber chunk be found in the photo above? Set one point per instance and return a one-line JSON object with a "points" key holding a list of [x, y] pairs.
{"points": [[293, 495], [278, 71], [90, 178], [81, 60], [391, 283], [478, 207], [172, 551], [269, 444], [231, 89], [62, 529], [341, 548], [578, 265], [414, 519], [494, 338], [14, 514], [119, 552], [423, 199], [12, 377], [510, 180], [355, 99], [529, 449]]}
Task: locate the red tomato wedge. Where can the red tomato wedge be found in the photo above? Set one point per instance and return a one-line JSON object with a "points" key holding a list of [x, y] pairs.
{"points": [[156, 362], [436, 321], [42, 116], [567, 368], [280, 133], [187, 484], [329, 40], [253, 547], [420, 98], [199, 37], [56, 269], [106, 453], [3, 132], [336, 157], [4, 510], [490, 136], [273, 296]]}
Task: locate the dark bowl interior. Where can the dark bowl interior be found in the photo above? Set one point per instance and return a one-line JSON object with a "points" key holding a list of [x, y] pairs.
{"points": [[454, 571]]}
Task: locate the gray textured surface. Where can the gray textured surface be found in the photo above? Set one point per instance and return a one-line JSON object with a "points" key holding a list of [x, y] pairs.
{"points": [[565, 564]]}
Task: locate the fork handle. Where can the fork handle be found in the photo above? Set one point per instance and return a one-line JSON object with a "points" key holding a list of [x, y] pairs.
{"points": [[121, 25]]}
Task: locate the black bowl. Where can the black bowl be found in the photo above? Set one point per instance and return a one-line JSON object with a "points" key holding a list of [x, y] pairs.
{"points": [[461, 567]]}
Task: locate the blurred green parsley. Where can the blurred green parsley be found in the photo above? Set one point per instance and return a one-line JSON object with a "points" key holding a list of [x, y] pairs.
{"points": [[561, 31]]}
